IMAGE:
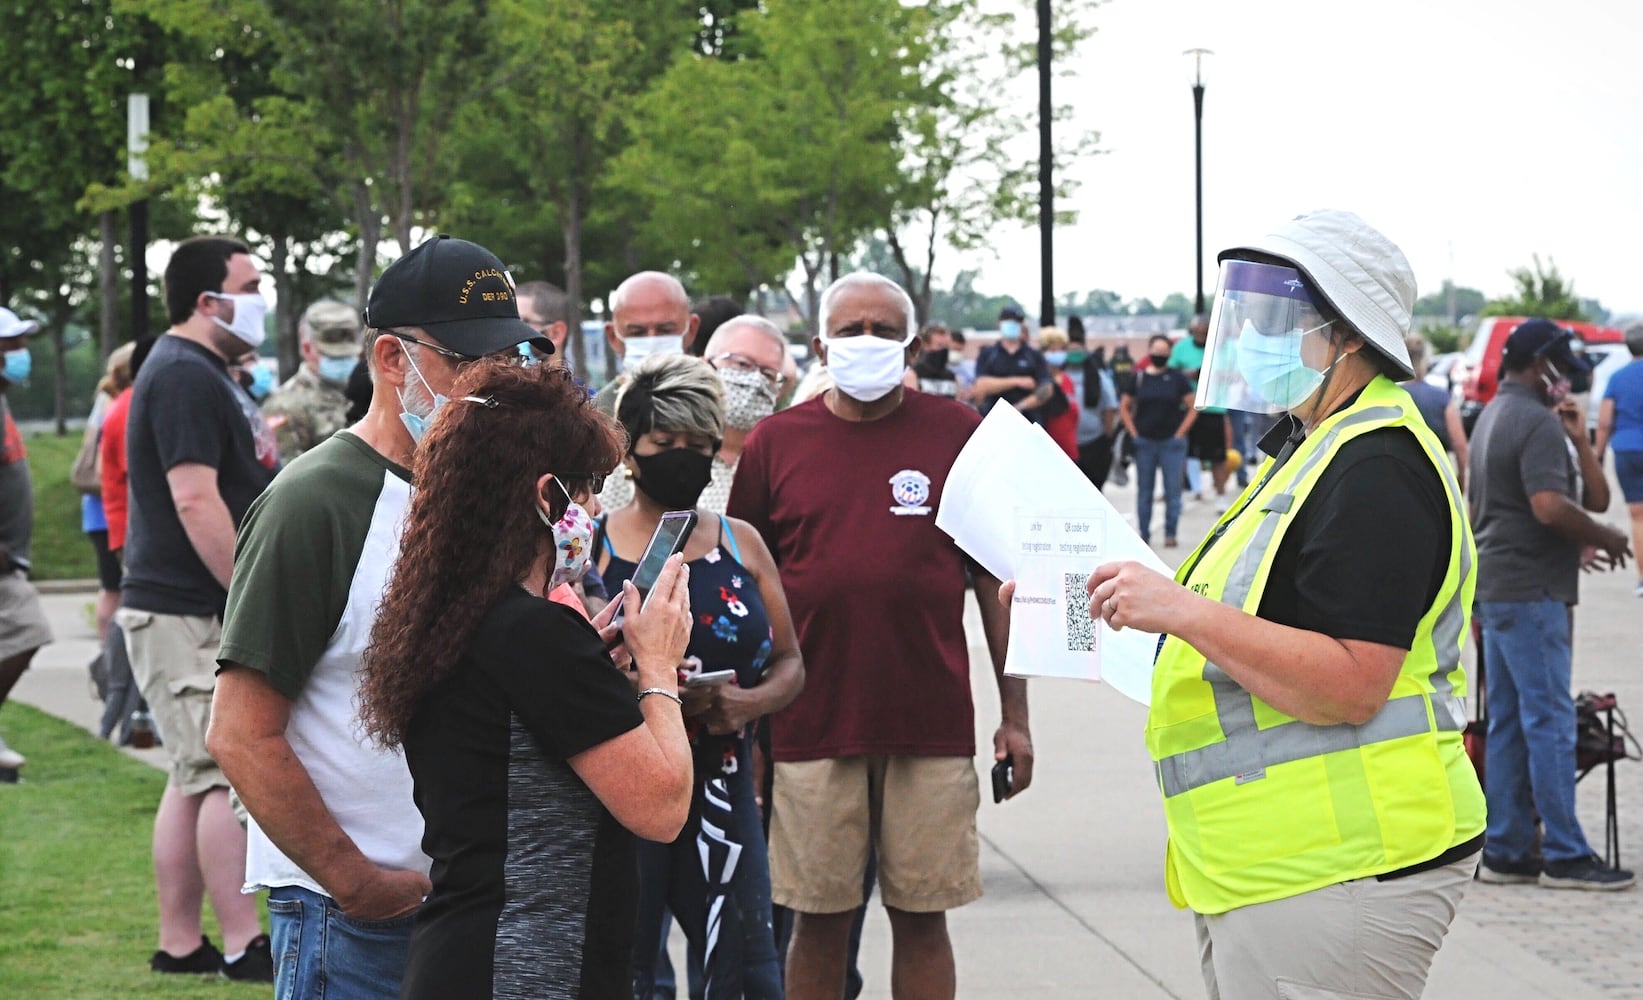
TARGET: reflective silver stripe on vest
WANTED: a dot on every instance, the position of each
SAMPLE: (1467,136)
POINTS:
(1447,628)
(1247,748)
(1247,752)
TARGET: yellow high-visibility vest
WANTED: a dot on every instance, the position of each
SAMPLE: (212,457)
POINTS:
(1262,806)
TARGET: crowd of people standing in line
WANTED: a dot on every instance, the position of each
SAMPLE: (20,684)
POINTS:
(467,757)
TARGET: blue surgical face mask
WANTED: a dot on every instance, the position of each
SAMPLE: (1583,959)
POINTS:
(18,366)
(417,423)
(1009,329)
(1272,366)
(262,382)
(1057,358)
(337,370)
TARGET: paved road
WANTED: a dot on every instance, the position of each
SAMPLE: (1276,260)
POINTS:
(1075,905)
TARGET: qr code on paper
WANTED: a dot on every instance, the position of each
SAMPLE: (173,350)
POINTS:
(1075,601)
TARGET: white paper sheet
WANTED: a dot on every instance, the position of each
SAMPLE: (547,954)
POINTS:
(1011,474)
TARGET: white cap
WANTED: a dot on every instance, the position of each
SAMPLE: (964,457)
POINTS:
(11,326)
(1361,273)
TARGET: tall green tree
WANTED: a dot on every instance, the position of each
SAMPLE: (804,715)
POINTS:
(535,159)
(970,162)
(789,151)
(1540,290)
(65,72)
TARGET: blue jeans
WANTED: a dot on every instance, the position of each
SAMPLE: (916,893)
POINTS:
(670,878)
(322,954)
(1530,762)
(1152,456)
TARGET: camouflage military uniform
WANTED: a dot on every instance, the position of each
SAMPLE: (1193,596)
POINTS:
(304,411)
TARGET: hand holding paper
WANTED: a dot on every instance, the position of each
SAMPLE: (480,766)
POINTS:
(1009,478)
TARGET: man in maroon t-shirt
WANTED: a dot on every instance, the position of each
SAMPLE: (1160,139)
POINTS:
(878,750)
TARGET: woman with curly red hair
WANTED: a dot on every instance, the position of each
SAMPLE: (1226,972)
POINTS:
(527,747)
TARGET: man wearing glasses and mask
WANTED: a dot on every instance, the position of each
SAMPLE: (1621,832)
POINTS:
(335,836)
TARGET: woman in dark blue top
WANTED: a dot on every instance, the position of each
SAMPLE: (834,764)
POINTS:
(715,877)
(1157,411)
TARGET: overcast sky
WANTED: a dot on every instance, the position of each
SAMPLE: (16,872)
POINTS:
(1474,133)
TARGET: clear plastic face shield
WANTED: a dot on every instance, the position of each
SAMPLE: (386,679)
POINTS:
(1268,347)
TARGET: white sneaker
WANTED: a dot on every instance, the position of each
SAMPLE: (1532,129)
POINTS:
(1221,505)
(1639,591)
(10,760)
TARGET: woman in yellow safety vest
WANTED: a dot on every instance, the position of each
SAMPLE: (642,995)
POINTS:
(1307,698)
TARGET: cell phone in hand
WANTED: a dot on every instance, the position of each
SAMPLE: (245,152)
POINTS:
(1003,779)
(709,678)
(669,538)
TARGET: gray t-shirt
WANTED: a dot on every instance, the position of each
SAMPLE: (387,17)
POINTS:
(16,493)
(1519,449)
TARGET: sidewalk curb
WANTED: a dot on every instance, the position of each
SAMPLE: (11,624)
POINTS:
(89,586)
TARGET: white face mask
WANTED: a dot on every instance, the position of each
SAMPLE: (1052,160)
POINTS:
(637,349)
(250,309)
(864,367)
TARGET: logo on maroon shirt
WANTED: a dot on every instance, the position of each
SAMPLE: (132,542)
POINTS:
(910,489)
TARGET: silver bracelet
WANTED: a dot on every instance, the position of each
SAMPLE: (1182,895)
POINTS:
(664,692)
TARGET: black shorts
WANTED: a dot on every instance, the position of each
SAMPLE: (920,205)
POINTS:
(109,574)
(1207,440)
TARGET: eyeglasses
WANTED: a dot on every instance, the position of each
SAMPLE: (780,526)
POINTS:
(443,352)
(595,480)
(743,363)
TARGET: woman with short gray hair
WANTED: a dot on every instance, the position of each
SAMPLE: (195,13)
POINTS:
(714,876)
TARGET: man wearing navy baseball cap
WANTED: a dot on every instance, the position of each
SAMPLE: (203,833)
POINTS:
(335,836)
(1534,478)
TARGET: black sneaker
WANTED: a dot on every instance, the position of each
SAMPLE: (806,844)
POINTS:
(256,965)
(1588,873)
(204,959)
(1502,872)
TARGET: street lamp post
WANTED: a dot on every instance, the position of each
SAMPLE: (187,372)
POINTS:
(1198,155)
(1046,188)
(137,167)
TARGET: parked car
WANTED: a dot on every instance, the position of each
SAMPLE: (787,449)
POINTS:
(1440,371)
(1606,359)
(1483,358)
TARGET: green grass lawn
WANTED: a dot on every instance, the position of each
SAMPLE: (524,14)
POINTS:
(61,550)
(77,914)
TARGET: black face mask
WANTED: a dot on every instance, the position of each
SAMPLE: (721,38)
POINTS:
(674,478)
(1159,360)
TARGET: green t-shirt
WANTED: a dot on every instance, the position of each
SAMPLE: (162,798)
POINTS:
(310,568)
(1189,357)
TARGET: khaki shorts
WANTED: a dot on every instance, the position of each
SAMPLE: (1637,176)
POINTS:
(918,812)
(174,658)
(23,625)
(1358,940)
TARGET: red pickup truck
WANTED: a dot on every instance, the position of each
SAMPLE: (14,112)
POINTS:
(1483,358)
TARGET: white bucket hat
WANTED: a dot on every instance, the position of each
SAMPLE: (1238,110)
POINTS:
(1361,273)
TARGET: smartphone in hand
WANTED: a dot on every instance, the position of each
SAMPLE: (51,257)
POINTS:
(1003,779)
(671,534)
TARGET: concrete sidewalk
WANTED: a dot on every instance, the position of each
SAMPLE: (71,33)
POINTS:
(1075,904)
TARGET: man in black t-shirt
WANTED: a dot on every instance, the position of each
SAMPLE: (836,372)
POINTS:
(198,452)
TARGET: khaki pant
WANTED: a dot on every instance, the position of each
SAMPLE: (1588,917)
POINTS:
(918,812)
(174,659)
(1359,940)
(23,624)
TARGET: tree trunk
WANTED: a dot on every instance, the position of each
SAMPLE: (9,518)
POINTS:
(108,285)
(571,225)
(370,233)
(285,340)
